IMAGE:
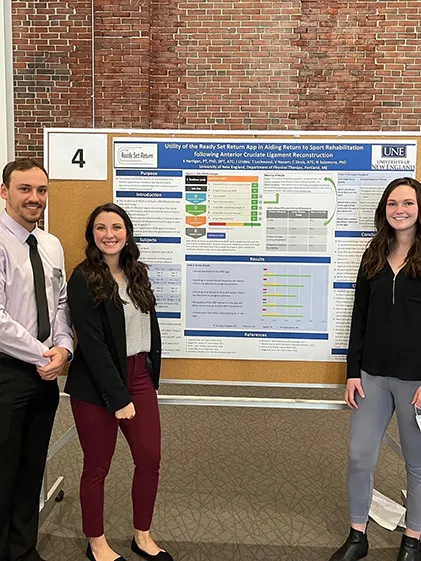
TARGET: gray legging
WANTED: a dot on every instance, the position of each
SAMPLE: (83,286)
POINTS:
(369,423)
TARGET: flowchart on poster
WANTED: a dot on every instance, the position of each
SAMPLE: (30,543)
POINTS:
(254,246)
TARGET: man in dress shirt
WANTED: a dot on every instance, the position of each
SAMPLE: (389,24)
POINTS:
(29,362)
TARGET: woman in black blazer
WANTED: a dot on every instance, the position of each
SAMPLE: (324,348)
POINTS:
(114,376)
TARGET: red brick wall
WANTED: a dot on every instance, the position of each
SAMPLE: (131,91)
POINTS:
(286,65)
(360,65)
(237,64)
(122,63)
(52,43)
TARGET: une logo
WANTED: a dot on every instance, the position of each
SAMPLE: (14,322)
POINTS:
(393,151)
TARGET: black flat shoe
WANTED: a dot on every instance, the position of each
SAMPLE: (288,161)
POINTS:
(410,549)
(91,557)
(161,556)
(355,547)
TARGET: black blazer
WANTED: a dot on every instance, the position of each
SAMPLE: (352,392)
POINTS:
(98,371)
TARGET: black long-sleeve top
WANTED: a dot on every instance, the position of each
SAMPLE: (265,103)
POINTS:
(385,337)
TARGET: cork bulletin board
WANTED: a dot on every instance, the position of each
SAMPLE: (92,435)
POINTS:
(72,200)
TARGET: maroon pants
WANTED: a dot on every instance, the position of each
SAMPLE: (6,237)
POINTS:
(97,429)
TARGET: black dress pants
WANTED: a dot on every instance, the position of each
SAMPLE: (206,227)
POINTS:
(27,409)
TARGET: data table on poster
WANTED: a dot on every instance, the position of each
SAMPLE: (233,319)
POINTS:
(296,230)
(166,284)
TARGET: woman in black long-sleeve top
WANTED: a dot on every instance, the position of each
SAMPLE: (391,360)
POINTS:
(384,363)
(114,375)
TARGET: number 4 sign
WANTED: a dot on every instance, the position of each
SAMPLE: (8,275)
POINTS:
(77,156)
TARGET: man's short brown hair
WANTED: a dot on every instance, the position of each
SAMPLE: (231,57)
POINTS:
(20,164)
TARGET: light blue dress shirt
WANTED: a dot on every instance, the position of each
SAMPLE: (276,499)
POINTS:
(18,309)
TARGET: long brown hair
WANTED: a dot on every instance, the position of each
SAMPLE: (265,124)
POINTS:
(375,257)
(98,275)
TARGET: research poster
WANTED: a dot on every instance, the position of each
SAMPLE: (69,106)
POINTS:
(254,245)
